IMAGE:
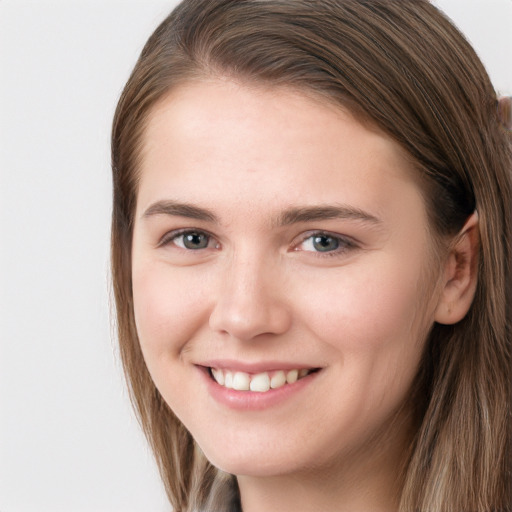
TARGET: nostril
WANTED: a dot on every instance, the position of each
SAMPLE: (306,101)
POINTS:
(249,317)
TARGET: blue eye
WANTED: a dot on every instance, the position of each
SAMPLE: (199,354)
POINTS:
(324,243)
(189,240)
(193,240)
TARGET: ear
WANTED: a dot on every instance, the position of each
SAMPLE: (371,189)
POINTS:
(460,274)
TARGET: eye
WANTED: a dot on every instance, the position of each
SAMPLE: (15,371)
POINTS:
(189,240)
(192,240)
(325,243)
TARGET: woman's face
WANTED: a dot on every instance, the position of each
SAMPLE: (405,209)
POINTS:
(283,247)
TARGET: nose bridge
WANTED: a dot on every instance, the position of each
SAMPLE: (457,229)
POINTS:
(249,300)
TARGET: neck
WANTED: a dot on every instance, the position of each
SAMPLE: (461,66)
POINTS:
(311,493)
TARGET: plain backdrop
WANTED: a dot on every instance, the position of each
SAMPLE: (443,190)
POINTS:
(68,439)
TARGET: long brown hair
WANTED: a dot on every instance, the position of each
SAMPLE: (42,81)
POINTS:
(405,68)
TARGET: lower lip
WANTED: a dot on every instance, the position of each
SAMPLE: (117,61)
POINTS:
(252,400)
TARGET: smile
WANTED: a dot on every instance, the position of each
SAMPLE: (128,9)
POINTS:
(260,382)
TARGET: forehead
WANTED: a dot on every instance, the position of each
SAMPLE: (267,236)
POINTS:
(222,139)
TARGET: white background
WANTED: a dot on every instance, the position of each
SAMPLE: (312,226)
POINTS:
(68,438)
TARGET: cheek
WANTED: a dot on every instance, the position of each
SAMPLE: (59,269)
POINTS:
(375,318)
(372,308)
(375,328)
(167,310)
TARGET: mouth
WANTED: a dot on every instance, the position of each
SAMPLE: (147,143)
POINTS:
(258,382)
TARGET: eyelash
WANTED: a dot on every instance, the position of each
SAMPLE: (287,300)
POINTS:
(344,243)
(172,236)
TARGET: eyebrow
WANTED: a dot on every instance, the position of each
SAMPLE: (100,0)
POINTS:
(313,213)
(290,216)
(177,209)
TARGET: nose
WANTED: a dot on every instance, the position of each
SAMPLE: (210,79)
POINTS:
(250,300)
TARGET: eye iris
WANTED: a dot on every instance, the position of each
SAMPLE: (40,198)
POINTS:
(195,241)
(324,243)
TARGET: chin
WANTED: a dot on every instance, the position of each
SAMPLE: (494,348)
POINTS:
(254,462)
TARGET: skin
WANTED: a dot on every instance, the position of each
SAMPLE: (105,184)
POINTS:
(261,291)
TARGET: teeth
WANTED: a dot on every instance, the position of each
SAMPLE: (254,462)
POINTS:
(292,376)
(278,380)
(261,382)
(228,379)
(241,381)
(218,376)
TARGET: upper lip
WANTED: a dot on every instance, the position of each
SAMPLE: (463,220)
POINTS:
(254,367)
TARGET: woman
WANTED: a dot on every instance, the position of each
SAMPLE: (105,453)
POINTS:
(311,258)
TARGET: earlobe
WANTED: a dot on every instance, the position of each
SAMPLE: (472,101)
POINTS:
(460,274)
